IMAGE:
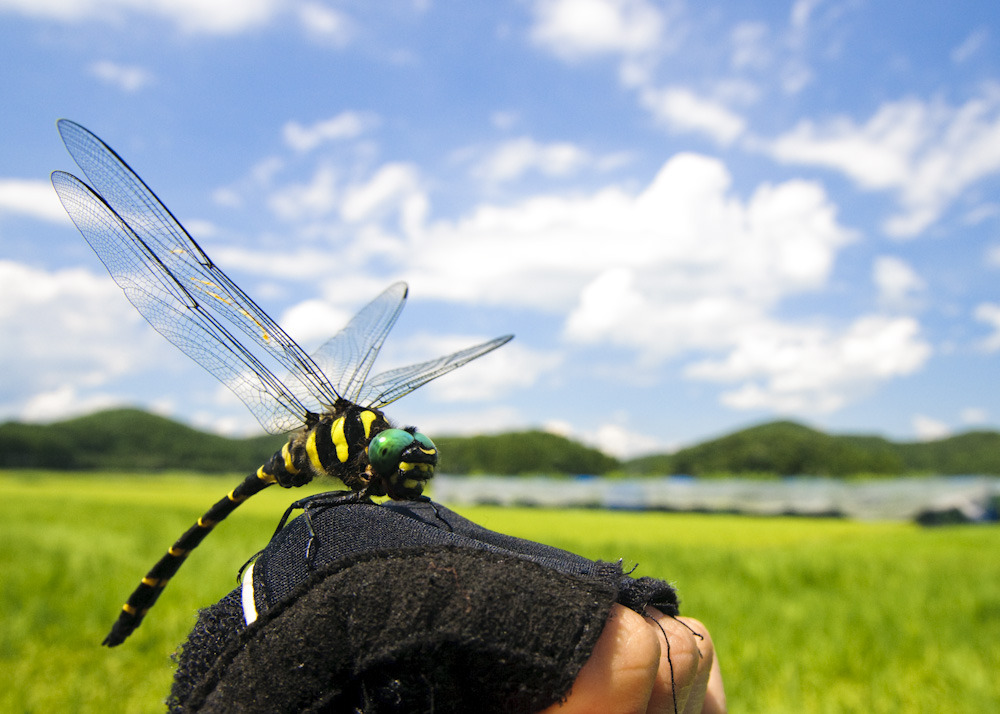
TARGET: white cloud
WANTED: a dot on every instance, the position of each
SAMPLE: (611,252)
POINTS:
(324,24)
(128,78)
(394,186)
(681,110)
(221,17)
(974,415)
(970,45)
(750,46)
(572,29)
(317,198)
(74,332)
(30,197)
(346,125)
(683,238)
(493,420)
(809,370)
(499,373)
(681,268)
(505,120)
(928,153)
(313,321)
(801,13)
(619,440)
(200,228)
(989,313)
(928,429)
(896,281)
(516,157)
(64,402)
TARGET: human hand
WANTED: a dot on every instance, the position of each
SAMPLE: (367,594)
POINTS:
(405,607)
(648,664)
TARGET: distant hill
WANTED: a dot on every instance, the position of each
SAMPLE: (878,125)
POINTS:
(529,452)
(786,448)
(780,448)
(129,439)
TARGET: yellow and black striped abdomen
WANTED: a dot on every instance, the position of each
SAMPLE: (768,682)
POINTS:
(284,467)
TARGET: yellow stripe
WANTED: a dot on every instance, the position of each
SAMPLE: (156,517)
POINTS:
(367,417)
(177,552)
(265,477)
(128,608)
(313,454)
(339,440)
(289,464)
(206,523)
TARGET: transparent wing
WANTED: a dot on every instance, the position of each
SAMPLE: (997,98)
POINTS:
(347,357)
(387,387)
(180,291)
(174,311)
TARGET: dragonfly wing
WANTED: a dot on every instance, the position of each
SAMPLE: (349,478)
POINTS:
(165,243)
(347,357)
(174,311)
(387,387)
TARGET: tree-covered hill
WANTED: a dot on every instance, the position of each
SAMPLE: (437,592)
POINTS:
(128,439)
(782,448)
(530,452)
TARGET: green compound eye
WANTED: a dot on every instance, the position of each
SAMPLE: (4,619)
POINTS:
(425,443)
(386,449)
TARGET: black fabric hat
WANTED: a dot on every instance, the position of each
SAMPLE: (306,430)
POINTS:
(402,607)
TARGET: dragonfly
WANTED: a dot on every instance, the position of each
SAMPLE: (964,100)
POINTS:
(327,400)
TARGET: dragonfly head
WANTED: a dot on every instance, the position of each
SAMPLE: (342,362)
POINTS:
(404,460)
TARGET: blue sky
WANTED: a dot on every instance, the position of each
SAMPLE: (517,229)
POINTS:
(693,216)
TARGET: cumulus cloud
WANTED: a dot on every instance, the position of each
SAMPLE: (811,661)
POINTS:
(74,333)
(974,415)
(346,125)
(512,367)
(970,45)
(896,281)
(63,402)
(806,370)
(989,313)
(316,198)
(31,197)
(927,153)
(930,429)
(515,157)
(683,268)
(573,29)
(619,440)
(128,78)
(324,24)
(392,185)
(222,17)
(750,46)
(681,110)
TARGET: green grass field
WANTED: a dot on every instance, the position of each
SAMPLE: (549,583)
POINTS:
(807,615)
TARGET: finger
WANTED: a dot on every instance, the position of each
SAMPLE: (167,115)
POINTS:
(620,674)
(675,690)
(715,693)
